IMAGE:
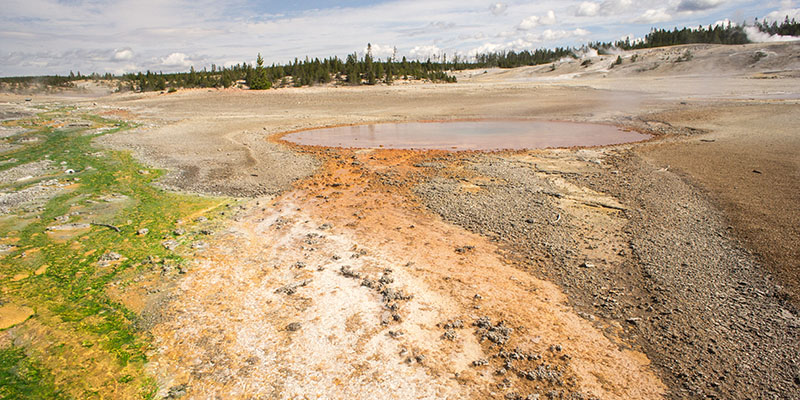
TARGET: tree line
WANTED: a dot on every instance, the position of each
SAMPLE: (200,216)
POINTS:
(368,70)
(786,28)
(353,70)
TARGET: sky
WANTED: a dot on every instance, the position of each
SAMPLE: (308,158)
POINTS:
(40,37)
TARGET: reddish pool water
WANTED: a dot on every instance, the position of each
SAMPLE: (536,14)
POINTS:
(467,135)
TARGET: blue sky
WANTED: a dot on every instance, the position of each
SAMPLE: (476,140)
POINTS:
(57,36)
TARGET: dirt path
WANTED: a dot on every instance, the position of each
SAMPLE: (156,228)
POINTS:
(343,289)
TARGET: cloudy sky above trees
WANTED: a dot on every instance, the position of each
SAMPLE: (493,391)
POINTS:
(57,36)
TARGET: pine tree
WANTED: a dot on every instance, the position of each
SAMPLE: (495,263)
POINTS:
(259,79)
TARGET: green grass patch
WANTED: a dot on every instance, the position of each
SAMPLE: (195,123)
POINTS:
(24,378)
(73,288)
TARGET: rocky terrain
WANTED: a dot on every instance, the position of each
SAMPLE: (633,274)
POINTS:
(660,269)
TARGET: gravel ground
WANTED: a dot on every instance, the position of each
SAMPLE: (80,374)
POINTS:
(681,287)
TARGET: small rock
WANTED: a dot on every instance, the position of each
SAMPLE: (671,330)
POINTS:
(480,363)
(178,232)
(347,271)
(110,256)
(176,392)
(170,244)
(143,231)
(586,264)
(293,327)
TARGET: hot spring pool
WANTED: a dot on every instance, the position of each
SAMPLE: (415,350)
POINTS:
(467,135)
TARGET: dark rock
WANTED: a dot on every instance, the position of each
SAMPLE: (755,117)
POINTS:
(176,392)
(293,327)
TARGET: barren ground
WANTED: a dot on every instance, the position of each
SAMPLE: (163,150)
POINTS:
(659,269)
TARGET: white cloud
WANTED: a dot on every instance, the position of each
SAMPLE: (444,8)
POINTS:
(381,51)
(176,60)
(498,8)
(653,16)
(529,23)
(723,23)
(608,7)
(123,55)
(424,52)
(530,40)
(533,21)
(552,35)
(56,36)
(588,9)
(780,15)
(549,18)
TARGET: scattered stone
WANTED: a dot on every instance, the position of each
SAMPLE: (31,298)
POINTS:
(464,249)
(347,271)
(586,264)
(293,327)
(369,283)
(291,288)
(498,334)
(543,373)
(178,232)
(176,392)
(110,256)
(457,324)
(386,279)
(170,244)
(480,363)
(449,334)
(143,231)
(201,219)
